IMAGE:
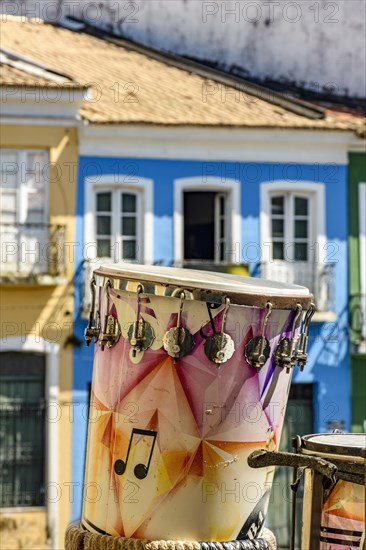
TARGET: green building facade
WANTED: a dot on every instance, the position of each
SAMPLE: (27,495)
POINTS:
(357,286)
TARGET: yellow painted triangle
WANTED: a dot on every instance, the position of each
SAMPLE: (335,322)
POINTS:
(175,462)
(213,455)
(164,482)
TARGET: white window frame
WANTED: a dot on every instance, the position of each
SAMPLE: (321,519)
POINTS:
(316,192)
(116,214)
(21,210)
(230,187)
(218,218)
(34,343)
(105,183)
(288,223)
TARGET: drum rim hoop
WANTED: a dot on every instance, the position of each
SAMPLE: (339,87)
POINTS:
(332,448)
(170,290)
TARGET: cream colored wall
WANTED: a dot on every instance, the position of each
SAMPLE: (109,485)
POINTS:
(47,311)
(26,530)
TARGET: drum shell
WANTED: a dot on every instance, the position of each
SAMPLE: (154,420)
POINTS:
(333,518)
(200,423)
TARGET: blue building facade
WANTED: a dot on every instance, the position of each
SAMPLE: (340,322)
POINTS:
(262,190)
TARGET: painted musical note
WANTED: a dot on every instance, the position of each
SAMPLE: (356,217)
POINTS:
(140,470)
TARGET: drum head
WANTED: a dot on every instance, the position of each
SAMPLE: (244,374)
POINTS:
(168,280)
(343,444)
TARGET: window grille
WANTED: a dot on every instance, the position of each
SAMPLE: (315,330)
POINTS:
(22,429)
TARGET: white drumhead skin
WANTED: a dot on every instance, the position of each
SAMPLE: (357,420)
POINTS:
(206,280)
(344,446)
(357,440)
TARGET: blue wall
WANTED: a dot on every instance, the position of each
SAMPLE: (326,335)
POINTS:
(328,365)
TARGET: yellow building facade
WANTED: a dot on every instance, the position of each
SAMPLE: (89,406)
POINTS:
(39,156)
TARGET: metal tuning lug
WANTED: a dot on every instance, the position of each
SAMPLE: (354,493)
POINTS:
(140,333)
(284,354)
(301,356)
(219,347)
(111,329)
(178,341)
(93,329)
(257,349)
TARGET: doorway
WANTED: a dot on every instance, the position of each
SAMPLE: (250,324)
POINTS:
(299,420)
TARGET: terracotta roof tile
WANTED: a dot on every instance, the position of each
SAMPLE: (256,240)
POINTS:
(11,76)
(14,77)
(132,87)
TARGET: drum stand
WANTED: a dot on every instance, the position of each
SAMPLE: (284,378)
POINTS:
(80,539)
(328,472)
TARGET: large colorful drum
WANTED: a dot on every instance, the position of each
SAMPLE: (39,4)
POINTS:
(334,516)
(191,374)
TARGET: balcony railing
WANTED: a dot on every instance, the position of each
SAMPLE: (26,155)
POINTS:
(31,251)
(318,278)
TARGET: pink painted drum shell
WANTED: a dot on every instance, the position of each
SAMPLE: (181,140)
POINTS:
(176,404)
(334,519)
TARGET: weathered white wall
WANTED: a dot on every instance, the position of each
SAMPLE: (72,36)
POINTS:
(314,43)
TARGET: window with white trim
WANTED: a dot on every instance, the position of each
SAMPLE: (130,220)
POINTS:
(207,220)
(291,226)
(24,210)
(23,186)
(293,241)
(118,219)
(118,224)
(206,226)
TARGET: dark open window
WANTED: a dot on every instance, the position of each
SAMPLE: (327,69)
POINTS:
(22,429)
(205,225)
